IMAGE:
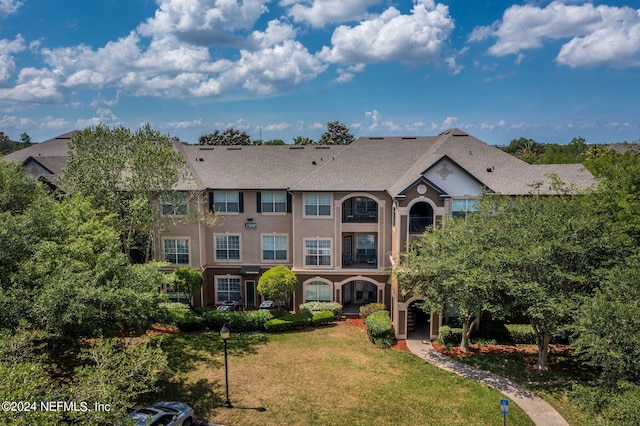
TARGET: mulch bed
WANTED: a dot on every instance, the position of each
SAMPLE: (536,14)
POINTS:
(400,345)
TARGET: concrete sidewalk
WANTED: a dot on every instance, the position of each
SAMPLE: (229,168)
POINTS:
(536,408)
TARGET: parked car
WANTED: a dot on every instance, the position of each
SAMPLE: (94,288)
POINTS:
(165,413)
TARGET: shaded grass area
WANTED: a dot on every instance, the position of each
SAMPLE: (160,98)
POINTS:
(553,386)
(324,376)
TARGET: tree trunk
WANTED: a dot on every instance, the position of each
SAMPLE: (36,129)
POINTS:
(542,340)
(467,328)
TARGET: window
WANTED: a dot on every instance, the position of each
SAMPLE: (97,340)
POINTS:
(273,202)
(174,204)
(274,247)
(317,204)
(460,208)
(176,251)
(317,252)
(229,288)
(227,247)
(366,248)
(227,202)
(317,291)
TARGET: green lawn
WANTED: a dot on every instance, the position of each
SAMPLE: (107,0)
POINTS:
(323,376)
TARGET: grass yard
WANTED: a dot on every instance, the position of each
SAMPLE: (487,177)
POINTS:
(324,376)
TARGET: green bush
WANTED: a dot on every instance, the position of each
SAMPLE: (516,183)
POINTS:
(182,316)
(379,328)
(288,322)
(236,321)
(322,317)
(521,333)
(449,336)
(313,307)
(366,310)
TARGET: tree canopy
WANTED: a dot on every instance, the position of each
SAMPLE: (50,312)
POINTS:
(229,136)
(336,134)
(278,284)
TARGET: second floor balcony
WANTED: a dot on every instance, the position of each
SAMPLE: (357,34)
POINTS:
(359,210)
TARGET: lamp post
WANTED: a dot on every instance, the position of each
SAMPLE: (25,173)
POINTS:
(224,335)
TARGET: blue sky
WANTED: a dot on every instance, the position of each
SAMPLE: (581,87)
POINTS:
(278,69)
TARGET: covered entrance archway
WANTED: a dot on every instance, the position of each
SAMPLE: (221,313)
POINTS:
(418,321)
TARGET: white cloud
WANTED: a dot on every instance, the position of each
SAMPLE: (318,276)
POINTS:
(391,36)
(318,13)
(598,34)
(203,22)
(7,48)
(8,7)
(277,127)
(447,123)
(184,124)
(346,75)
(378,123)
(34,85)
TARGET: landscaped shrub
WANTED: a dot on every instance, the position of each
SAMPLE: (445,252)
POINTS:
(521,333)
(236,321)
(493,330)
(182,316)
(288,322)
(449,336)
(379,328)
(366,310)
(322,317)
(313,307)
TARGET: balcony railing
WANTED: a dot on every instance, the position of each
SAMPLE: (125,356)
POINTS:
(419,224)
(364,258)
(350,215)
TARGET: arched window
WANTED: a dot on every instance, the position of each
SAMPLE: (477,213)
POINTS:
(317,291)
(420,218)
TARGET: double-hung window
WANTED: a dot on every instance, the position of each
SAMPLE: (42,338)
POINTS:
(174,204)
(317,204)
(274,247)
(460,208)
(229,288)
(317,252)
(227,247)
(227,202)
(176,251)
(273,202)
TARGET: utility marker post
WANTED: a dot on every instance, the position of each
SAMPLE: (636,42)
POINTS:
(504,409)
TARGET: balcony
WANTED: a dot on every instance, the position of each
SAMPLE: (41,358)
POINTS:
(354,215)
(419,224)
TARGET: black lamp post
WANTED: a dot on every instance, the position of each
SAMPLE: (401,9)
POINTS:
(224,335)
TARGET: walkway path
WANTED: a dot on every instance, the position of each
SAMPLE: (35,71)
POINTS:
(536,408)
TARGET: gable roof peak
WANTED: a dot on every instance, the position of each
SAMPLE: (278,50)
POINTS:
(454,132)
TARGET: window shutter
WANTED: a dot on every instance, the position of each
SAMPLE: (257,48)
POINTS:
(211,208)
(289,202)
(241,202)
(259,202)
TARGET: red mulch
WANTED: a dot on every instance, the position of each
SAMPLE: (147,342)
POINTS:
(162,329)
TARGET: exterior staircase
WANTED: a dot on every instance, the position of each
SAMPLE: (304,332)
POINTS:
(410,321)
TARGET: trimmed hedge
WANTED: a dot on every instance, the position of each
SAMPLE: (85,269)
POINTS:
(288,322)
(236,321)
(313,307)
(379,328)
(322,317)
(366,310)
(182,316)
(521,333)
(449,336)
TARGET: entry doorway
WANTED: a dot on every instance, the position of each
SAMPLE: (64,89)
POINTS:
(418,321)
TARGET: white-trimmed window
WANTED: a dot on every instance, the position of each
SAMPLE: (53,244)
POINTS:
(317,252)
(317,204)
(317,291)
(228,288)
(273,202)
(227,202)
(274,247)
(176,251)
(227,247)
(174,204)
(460,208)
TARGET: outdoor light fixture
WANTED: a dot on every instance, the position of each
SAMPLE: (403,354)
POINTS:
(224,335)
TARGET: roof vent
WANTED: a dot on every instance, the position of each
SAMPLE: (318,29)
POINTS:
(206,148)
(490,169)
(233,148)
(375,138)
(323,147)
(199,159)
(408,137)
(296,147)
(314,162)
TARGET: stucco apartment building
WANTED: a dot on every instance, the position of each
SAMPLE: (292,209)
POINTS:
(338,216)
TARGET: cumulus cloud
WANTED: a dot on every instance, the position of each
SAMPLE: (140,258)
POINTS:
(7,49)
(318,13)
(376,122)
(277,127)
(392,36)
(598,35)
(184,124)
(8,7)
